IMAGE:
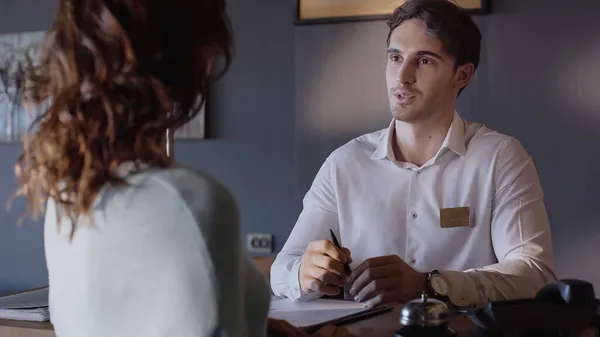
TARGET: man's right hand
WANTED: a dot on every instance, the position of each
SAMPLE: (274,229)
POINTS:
(322,268)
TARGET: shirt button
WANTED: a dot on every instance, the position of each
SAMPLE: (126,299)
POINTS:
(414,215)
(418,173)
(413,261)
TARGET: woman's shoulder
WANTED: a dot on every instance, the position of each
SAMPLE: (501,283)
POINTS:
(157,197)
(193,186)
(206,198)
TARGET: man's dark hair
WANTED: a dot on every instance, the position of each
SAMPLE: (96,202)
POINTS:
(446,22)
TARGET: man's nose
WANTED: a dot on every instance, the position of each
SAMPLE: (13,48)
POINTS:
(406,73)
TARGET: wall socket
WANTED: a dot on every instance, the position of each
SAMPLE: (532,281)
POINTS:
(260,243)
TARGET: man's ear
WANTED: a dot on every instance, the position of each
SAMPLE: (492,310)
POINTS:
(463,75)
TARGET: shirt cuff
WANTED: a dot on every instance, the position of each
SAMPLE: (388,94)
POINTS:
(463,290)
(296,292)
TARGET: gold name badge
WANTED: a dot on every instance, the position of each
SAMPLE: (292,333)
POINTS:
(454,217)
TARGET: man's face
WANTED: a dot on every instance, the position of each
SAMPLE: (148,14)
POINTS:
(420,74)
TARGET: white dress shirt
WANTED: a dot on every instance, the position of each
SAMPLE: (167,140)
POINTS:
(380,206)
(163,257)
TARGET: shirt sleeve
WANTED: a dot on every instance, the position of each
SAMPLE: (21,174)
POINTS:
(319,214)
(520,234)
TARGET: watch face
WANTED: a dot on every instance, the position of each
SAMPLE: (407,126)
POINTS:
(439,285)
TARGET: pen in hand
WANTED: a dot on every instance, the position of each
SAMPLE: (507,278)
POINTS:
(337,244)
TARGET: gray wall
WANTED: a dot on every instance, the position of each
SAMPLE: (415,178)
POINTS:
(22,263)
(295,93)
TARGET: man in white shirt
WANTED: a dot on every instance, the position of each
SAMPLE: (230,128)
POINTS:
(433,203)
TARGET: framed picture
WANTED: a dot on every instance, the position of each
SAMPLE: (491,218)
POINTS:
(332,11)
(194,129)
(18,52)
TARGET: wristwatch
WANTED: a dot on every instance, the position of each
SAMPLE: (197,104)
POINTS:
(438,286)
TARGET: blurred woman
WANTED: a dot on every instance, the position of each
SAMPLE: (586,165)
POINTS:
(136,245)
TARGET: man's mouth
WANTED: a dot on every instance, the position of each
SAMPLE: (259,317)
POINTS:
(404,97)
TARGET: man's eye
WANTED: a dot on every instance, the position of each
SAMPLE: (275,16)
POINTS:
(425,61)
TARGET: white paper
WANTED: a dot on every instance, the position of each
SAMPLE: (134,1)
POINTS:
(36,315)
(285,304)
(302,314)
(25,300)
(311,317)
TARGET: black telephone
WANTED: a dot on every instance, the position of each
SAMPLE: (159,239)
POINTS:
(563,308)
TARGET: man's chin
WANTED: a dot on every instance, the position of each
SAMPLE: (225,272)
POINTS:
(405,115)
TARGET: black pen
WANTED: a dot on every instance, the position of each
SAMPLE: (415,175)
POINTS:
(337,244)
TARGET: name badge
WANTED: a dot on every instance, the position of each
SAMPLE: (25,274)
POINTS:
(454,217)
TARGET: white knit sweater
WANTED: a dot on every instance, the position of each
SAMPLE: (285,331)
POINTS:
(163,257)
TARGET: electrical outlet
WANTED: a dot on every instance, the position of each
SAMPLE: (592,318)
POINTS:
(260,243)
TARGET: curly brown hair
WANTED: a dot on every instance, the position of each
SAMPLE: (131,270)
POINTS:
(116,75)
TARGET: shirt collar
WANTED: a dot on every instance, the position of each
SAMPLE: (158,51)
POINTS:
(455,140)
(384,149)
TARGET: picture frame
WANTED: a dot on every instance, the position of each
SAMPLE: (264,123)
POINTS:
(18,53)
(338,11)
(195,128)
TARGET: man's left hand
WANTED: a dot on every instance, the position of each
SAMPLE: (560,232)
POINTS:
(385,279)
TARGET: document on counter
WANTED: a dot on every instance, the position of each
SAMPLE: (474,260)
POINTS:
(29,305)
(310,315)
(284,304)
(29,299)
